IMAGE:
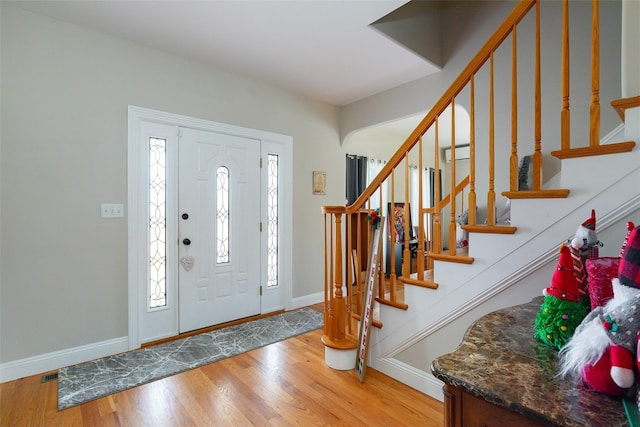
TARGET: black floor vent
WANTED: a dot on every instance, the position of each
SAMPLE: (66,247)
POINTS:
(49,377)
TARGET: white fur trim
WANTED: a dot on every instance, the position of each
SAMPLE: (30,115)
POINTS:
(584,348)
(577,243)
(623,377)
(621,294)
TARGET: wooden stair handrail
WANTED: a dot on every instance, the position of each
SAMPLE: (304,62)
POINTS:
(433,221)
(456,87)
(458,188)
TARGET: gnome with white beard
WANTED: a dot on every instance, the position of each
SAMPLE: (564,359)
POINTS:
(603,349)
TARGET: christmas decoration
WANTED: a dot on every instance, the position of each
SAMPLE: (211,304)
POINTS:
(600,272)
(603,348)
(374,218)
(584,245)
(562,310)
(586,238)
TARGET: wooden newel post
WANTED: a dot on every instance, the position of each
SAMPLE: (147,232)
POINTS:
(339,349)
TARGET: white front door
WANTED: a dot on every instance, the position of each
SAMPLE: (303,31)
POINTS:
(218,228)
(171,175)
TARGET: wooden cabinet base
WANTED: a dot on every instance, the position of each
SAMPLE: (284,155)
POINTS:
(464,409)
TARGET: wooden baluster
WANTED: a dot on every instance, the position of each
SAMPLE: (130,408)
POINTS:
(472,158)
(328,275)
(513,159)
(348,256)
(429,236)
(355,299)
(383,237)
(565,114)
(392,247)
(452,181)
(420,251)
(437,227)
(406,252)
(537,152)
(338,300)
(491,195)
(594,137)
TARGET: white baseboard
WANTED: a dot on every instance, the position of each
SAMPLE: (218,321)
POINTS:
(306,300)
(35,365)
(411,376)
(58,359)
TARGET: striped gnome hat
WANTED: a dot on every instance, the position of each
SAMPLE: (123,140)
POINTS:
(629,269)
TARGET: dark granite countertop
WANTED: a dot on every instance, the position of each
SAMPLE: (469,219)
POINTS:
(500,361)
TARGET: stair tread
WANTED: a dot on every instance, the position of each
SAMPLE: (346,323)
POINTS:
(426,282)
(494,229)
(459,257)
(598,150)
(560,193)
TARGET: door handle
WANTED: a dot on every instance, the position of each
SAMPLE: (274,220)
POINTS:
(186,242)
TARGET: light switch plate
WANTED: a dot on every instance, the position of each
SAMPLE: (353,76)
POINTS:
(112,210)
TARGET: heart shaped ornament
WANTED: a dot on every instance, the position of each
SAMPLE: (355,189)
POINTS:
(187,262)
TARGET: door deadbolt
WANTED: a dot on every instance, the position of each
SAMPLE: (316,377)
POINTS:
(186,242)
(185,216)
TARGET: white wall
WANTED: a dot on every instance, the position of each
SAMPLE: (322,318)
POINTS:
(468,25)
(65,92)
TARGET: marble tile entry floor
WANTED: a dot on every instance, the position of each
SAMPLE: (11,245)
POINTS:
(98,378)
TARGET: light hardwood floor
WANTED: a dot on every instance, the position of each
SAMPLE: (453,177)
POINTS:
(286,383)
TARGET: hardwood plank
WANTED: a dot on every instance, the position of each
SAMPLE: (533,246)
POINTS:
(286,383)
(239,395)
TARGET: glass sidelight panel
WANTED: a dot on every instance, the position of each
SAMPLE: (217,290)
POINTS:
(272,220)
(222,215)
(157,223)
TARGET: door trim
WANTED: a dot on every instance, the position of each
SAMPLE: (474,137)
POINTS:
(138,200)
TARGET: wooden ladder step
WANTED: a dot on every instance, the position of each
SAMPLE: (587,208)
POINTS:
(375,322)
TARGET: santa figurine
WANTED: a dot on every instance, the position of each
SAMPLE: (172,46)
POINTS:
(603,349)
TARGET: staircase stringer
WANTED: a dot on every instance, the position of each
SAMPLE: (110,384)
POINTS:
(423,380)
(395,337)
(622,192)
(550,255)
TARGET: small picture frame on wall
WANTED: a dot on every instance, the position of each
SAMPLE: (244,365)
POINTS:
(319,182)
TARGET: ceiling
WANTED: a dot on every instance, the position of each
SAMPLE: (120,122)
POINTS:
(327,50)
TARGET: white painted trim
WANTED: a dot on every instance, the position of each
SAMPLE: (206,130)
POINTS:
(616,135)
(411,376)
(35,365)
(307,300)
(58,359)
(137,195)
(340,359)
